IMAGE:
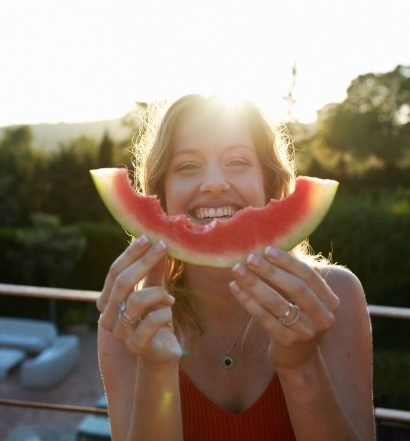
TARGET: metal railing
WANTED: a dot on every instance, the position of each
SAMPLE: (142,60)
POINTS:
(381,414)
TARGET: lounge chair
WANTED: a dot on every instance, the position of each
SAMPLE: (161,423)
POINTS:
(51,365)
(28,335)
(9,358)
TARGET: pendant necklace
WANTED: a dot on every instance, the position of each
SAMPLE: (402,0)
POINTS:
(228,360)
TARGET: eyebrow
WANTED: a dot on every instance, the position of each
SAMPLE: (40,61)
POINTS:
(186,150)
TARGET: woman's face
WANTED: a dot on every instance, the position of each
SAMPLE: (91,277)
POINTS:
(214,170)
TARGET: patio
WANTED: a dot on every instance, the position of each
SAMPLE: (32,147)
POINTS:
(83,386)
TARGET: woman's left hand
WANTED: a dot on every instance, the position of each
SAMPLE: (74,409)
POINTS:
(268,287)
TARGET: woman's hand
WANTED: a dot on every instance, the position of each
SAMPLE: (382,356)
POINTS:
(141,319)
(267,286)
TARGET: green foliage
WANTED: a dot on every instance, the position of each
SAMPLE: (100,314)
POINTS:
(368,233)
(106,152)
(20,186)
(391,379)
(58,183)
(371,127)
(71,194)
(105,242)
(49,254)
(45,254)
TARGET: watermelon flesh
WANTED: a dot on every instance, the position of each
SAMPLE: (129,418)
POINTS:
(223,242)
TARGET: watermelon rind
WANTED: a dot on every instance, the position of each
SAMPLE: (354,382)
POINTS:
(250,230)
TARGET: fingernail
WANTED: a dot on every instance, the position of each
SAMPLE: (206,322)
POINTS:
(234,287)
(253,260)
(239,270)
(160,247)
(141,241)
(271,252)
(171,298)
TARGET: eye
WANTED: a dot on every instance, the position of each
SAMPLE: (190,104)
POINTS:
(237,162)
(187,166)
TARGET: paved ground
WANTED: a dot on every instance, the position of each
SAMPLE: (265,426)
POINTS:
(82,387)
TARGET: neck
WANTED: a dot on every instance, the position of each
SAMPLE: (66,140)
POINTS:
(223,318)
(212,298)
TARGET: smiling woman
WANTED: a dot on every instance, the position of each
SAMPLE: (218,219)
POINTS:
(169,331)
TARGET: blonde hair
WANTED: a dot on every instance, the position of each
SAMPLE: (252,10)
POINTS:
(153,154)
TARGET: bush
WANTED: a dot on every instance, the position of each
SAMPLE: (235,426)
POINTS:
(368,233)
(48,254)
(391,379)
(45,254)
(105,242)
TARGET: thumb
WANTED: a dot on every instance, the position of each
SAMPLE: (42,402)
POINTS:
(156,277)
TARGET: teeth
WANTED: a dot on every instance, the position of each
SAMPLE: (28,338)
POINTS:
(203,213)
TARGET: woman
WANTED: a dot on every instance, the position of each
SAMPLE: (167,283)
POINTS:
(275,348)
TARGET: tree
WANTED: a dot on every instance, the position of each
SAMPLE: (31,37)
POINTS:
(106,151)
(71,193)
(21,192)
(371,124)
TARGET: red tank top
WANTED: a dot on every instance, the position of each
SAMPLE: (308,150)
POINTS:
(266,420)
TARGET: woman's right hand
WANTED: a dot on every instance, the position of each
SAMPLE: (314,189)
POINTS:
(145,325)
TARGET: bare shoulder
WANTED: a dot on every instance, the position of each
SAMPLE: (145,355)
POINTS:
(342,279)
(352,328)
(347,286)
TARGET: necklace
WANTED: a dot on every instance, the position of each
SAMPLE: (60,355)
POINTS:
(228,360)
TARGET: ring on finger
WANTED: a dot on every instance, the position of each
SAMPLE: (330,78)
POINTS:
(123,316)
(291,316)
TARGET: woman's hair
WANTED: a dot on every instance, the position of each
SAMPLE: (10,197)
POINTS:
(153,154)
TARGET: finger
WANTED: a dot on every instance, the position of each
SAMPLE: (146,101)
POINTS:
(123,327)
(301,330)
(283,260)
(133,252)
(267,296)
(138,304)
(140,340)
(290,287)
(156,276)
(274,303)
(125,282)
(148,299)
(285,335)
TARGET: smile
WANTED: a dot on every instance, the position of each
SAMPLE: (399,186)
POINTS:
(203,213)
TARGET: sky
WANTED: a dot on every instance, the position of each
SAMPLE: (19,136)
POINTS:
(86,60)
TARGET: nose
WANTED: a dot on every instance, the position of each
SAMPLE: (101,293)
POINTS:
(214,182)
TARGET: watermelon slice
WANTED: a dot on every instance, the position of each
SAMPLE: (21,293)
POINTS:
(223,242)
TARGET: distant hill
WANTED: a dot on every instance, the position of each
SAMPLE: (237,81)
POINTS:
(49,136)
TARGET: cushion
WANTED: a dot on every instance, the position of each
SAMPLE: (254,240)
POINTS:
(8,359)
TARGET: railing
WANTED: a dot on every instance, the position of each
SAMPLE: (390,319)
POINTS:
(381,414)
